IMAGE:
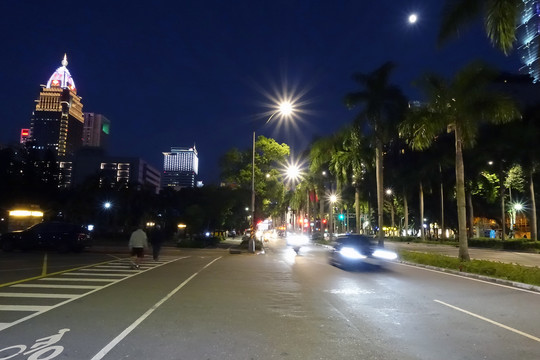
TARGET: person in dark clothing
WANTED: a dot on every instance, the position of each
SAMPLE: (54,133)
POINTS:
(156,239)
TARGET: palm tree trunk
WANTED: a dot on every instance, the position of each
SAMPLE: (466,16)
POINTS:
(443,236)
(471,214)
(503,210)
(422,232)
(380,188)
(460,194)
(534,229)
(406,213)
(357,209)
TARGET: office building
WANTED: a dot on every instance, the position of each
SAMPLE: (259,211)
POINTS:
(96,130)
(25,134)
(528,39)
(180,166)
(57,121)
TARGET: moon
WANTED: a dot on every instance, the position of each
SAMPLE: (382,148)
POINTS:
(413,18)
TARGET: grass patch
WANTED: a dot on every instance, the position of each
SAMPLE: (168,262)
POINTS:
(512,272)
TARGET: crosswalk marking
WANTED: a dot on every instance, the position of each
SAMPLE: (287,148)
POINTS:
(39,295)
(102,276)
(59,286)
(91,274)
(78,279)
(23,307)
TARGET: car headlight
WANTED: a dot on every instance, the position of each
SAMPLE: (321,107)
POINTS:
(351,253)
(385,254)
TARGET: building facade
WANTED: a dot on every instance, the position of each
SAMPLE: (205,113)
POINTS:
(180,167)
(528,39)
(96,130)
(57,121)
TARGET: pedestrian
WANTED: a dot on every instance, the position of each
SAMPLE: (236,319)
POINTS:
(156,239)
(138,242)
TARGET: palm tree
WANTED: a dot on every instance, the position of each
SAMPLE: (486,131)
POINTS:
(383,106)
(459,106)
(500,18)
(350,163)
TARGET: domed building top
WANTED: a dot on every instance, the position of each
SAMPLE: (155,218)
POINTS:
(62,78)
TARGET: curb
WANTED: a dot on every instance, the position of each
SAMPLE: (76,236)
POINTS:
(510,283)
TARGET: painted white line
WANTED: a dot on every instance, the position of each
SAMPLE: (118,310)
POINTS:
(78,279)
(469,278)
(23,307)
(532,337)
(130,328)
(4,325)
(39,295)
(92,274)
(89,287)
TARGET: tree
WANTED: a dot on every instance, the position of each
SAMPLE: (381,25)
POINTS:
(383,105)
(458,106)
(500,18)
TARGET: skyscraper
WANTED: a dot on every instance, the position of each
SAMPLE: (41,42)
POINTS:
(528,38)
(96,130)
(57,121)
(180,166)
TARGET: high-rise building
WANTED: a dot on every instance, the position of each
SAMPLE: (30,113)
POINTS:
(528,39)
(25,133)
(96,130)
(180,166)
(57,121)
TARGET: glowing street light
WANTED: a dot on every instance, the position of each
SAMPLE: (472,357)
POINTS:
(107,205)
(285,109)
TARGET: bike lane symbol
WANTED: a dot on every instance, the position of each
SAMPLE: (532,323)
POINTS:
(43,349)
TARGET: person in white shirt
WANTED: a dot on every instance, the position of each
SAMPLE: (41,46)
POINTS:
(138,242)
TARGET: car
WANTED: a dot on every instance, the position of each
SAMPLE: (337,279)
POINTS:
(57,235)
(355,250)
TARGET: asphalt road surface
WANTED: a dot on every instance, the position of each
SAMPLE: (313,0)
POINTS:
(210,304)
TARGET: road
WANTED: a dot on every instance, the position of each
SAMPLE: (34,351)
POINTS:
(210,304)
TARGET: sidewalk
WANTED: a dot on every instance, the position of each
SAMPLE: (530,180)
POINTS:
(504,256)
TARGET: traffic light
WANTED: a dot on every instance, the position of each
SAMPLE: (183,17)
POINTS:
(324,221)
(341,216)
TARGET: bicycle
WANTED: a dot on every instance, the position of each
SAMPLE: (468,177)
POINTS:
(43,346)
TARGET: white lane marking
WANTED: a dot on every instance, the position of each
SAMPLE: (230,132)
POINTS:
(23,307)
(4,325)
(39,295)
(469,278)
(131,327)
(490,321)
(92,274)
(94,289)
(78,279)
(59,286)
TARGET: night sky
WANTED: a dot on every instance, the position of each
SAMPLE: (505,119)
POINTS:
(178,73)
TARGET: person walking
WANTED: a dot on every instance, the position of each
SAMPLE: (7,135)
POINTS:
(138,242)
(156,239)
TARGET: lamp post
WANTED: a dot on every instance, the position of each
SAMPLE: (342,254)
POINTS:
(285,109)
(390,193)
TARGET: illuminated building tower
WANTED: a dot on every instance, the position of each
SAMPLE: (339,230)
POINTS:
(57,121)
(96,130)
(180,166)
(528,38)
(25,133)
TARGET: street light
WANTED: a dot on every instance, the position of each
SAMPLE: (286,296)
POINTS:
(285,109)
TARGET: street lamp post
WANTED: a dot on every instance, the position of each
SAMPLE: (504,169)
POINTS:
(333,199)
(285,109)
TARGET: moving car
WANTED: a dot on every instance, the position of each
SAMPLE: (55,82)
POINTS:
(57,235)
(354,250)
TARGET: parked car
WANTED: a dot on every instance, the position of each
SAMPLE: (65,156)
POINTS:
(57,235)
(354,250)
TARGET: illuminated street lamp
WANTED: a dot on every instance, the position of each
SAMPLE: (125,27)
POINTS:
(513,213)
(285,109)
